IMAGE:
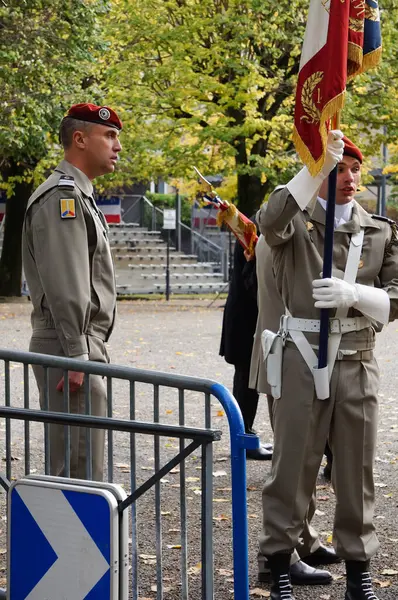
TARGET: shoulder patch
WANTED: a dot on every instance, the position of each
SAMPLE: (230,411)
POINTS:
(386,219)
(67,208)
(66,182)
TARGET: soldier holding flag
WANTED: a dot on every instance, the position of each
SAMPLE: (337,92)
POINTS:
(338,401)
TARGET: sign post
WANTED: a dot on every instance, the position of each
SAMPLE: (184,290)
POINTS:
(169,223)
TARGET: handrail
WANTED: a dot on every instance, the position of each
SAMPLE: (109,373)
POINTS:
(202,237)
(199,235)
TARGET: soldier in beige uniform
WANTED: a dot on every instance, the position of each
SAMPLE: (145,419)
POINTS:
(309,551)
(69,271)
(365,294)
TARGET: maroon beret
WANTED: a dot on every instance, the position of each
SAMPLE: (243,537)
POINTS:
(352,150)
(95,114)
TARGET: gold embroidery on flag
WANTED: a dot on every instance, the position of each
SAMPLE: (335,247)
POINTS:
(312,113)
(357,25)
(372,13)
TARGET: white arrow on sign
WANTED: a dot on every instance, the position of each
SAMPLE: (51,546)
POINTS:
(80,564)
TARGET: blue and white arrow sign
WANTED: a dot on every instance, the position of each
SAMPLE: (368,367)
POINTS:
(63,542)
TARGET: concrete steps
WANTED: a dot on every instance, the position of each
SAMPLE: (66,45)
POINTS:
(140,264)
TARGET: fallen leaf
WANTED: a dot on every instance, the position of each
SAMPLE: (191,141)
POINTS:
(226,572)
(220,413)
(195,570)
(174,546)
(259,592)
(383,584)
(389,572)
(219,473)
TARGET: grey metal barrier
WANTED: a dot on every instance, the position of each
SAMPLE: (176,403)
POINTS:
(147,404)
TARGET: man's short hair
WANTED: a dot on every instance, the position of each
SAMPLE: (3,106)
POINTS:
(67,129)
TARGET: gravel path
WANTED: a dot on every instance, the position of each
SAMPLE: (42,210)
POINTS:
(183,337)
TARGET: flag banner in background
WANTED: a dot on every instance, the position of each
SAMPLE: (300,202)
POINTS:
(342,40)
(111,207)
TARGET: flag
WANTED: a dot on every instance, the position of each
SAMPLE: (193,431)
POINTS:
(111,207)
(342,39)
(243,228)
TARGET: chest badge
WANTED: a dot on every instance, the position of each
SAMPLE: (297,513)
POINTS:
(67,207)
(309,226)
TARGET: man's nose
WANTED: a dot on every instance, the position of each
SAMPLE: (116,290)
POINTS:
(117,146)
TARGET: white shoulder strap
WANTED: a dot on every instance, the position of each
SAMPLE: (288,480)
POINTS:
(350,276)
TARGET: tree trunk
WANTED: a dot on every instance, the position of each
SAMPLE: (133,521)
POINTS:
(11,256)
(250,194)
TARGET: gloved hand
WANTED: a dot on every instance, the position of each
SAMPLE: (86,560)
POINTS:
(334,152)
(334,293)
(372,302)
(303,187)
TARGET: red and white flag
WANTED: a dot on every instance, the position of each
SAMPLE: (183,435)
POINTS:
(111,207)
(342,39)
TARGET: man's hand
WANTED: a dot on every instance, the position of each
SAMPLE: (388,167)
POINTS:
(334,293)
(75,382)
(334,152)
(248,256)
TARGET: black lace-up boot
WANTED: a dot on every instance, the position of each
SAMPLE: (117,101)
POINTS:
(359,581)
(281,588)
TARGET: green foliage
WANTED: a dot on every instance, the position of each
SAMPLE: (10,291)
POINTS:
(169,201)
(211,83)
(47,62)
(206,83)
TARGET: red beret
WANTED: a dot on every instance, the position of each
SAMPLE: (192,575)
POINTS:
(352,150)
(95,114)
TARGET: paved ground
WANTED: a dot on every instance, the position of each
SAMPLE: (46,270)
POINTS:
(183,337)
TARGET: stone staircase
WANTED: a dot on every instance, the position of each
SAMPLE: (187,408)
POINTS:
(140,265)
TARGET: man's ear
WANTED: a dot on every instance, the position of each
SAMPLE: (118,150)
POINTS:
(79,139)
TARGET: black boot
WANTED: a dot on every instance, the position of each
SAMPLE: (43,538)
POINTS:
(359,581)
(281,588)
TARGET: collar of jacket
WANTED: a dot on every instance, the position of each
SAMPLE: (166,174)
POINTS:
(359,218)
(81,180)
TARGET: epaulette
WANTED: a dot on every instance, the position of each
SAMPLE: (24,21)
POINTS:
(386,219)
(66,182)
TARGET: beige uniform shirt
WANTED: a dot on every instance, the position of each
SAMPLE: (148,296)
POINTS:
(67,261)
(297,239)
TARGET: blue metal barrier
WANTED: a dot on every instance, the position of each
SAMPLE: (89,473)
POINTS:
(239,441)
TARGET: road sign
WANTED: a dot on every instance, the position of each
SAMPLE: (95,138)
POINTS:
(63,541)
(169,218)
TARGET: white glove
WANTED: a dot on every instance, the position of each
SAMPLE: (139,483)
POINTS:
(334,293)
(303,187)
(372,302)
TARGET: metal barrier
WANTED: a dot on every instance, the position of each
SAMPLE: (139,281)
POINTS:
(125,383)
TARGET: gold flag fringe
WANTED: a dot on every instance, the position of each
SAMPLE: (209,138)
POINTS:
(329,110)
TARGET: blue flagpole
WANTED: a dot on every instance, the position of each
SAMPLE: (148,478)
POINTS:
(327,266)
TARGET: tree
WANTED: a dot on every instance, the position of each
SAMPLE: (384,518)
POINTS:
(211,83)
(207,83)
(47,52)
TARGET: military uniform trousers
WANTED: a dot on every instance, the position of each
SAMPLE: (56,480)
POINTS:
(302,424)
(47,342)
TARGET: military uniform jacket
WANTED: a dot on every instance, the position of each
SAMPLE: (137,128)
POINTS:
(297,241)
(67,261)
(270,310)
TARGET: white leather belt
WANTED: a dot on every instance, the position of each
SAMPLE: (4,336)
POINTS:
(336,324)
